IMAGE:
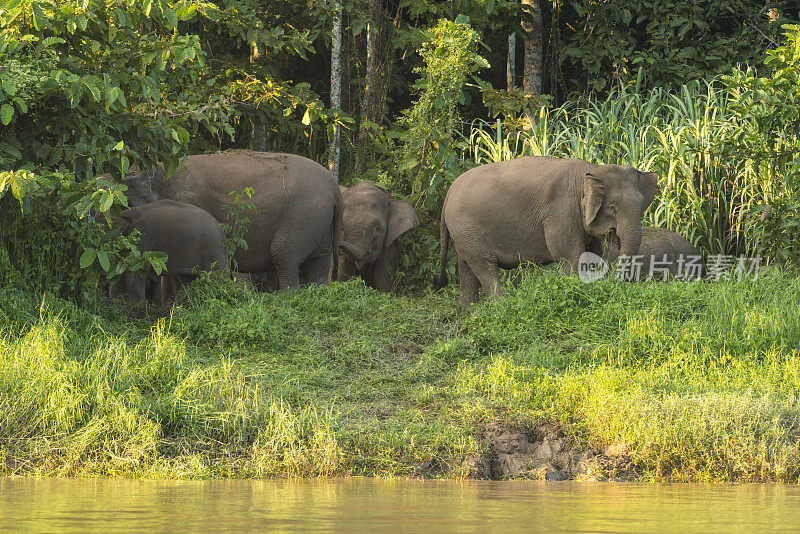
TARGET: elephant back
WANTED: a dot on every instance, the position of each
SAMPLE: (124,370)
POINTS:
(294,199)
(190,236)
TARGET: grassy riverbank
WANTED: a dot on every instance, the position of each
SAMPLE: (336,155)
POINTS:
(693,381)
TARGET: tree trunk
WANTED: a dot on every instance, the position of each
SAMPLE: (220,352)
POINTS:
(258,137)
(369,101)
(532,26)
(336,90)
(511,61)
(511,67)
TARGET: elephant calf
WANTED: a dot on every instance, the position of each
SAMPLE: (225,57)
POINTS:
(191,238)
(371,224)
(663,252)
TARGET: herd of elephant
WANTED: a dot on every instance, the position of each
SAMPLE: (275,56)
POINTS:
(307,229)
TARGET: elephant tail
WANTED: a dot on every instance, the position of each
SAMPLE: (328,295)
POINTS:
(444,237)
(338,214)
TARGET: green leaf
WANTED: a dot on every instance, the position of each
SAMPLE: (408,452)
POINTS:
(6,113)
(306,118)
(96,94)
(170,15)
(38,16)
(102,258)
(9,86)
(87,258)
(120,145)
(16,190)
(106,201)
(23,107)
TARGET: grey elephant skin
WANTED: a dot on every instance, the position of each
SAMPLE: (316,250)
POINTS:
(539,210)
(298,208)
(373,221)
(662,250)
(191,238)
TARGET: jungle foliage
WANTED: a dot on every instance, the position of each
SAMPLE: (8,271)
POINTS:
(90,87)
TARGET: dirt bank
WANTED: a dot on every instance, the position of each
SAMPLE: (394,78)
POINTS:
(544,452)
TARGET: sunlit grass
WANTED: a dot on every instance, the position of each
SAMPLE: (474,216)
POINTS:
(700,381)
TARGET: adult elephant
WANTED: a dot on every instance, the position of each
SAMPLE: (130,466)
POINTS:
(191,238)
(298,207)
(662,253)
(540,210)
(371,224)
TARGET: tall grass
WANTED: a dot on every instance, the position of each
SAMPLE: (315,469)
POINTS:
(708,195)
(104,405)
(698,381)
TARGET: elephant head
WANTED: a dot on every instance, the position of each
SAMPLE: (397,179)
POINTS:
(613,200)
(372,222)
(141,188)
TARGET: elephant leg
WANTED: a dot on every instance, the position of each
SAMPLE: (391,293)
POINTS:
(268,282)
(565,249)
(136,286)
(288,278)
(155,290)
(382,278)
(169,288)
(288,272)
(316,270)
(382,269)
(468,284)
(288,252)
(487,272)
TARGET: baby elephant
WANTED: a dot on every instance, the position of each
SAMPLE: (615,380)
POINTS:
(371,224)
(191,238)
(664,252)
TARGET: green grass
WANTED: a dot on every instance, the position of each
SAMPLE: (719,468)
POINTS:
(701,381)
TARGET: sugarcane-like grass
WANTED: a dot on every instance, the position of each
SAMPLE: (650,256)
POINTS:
(711,191)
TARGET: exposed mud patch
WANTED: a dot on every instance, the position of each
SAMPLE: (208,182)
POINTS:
(544,452)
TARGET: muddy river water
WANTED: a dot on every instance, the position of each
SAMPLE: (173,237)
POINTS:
(391,506)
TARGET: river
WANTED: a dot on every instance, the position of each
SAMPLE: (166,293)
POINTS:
(391,506)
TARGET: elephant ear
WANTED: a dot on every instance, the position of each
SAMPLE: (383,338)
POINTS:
(402,218)
(593,193)
(648,186)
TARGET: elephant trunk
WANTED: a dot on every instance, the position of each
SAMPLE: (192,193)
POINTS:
(630,238)
(356,254)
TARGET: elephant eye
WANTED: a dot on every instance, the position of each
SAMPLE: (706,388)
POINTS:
(612,208)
